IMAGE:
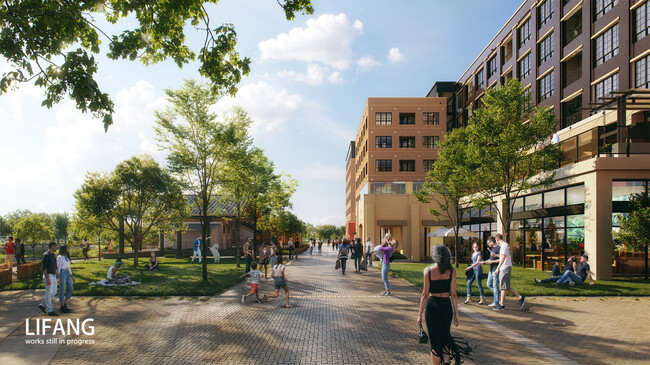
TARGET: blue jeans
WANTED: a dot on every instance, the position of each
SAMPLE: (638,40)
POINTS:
(357,261)
(384,274)
(493,284)
(249,260)
(470,280)
(50,291)
(273,258)
(65,292)
(369,259)
(343,262)
(568,277)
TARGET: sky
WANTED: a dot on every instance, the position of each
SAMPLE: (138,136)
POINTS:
(306,91)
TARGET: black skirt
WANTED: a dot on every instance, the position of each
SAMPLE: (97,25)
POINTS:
(438,316)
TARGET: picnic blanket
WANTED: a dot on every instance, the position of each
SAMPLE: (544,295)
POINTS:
(106,283)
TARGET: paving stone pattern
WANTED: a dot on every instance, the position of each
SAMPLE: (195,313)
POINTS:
(336,319)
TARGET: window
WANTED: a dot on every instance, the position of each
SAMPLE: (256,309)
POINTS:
(554,198)
(431,141)
(642,73)
(383,118)
(545,12)
(492,66)
(575,195)
(605,87)
(533,202)
(524,67)
(528,102)
(545,49)
(606,45)
(407,165)
(383,165)
(546,86)
(603,6)
(469,88)
(406,142)
(523,33)
(642,21)
(622,190)
(432,118)
(427,165)
(480,79)
(384,142)
(406,118)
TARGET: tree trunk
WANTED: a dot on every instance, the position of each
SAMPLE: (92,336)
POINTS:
(121,236)
(646,261)
(205,222)
(137,241)
(457,224)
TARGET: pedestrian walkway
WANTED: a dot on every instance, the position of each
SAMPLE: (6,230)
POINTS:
(335,320)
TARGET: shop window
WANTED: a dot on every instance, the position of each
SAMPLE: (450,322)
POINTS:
(554,198)
(533,202)
(575,195)
(621,190)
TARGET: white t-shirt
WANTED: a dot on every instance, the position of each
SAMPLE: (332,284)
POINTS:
(62,263)
(505,250)
(277,270)
(369,247)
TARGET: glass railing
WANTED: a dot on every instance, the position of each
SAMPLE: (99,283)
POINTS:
(387,188)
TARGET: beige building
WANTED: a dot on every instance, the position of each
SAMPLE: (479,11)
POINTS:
(395,146)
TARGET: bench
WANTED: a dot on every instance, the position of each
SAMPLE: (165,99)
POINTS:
(5,276)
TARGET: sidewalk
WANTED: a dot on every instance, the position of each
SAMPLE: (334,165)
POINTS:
(335,320)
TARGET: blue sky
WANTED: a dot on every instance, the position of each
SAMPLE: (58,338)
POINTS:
(309,82)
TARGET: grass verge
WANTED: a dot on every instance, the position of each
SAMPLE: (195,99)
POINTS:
(523,282)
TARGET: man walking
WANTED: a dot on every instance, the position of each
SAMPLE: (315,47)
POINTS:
(20,252)
(51,279)
(248,254)
(296,246)
(504,271)
(369,247)
(290,247)
(493,278)
(197,248)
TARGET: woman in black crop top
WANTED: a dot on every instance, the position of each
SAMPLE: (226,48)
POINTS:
(438,294)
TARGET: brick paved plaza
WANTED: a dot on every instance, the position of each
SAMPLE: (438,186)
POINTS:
(335,320)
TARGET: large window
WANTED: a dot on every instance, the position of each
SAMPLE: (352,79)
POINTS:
(384,118)
(545,49)
(406,118)
(606,45)
(545,12)
(427,165)
(431,118)
(383,142)
(575,195)
(492,66)
(603,6)
(406,142)
(642,21)
(523,33)
(605,87)
(642,72)
(407,165)
(523,68)
(621,190)
(480,79)
(431,141)
(383,165)
(546,86)
(554,198)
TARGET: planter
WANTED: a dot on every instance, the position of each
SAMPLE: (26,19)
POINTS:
(5,276)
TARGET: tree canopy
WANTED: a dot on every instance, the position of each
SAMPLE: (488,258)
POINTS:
(54,43)
(33,229)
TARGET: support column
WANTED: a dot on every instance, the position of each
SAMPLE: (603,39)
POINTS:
(415,229)
(598,224)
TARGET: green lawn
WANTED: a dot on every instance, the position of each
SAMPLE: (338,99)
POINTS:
(523,282)
(176,277)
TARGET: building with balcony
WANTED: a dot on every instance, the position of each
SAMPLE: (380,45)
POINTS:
(590,62)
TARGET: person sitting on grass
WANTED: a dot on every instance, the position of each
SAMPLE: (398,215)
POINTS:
(153,262)
(556,274)
(112,276)
(579,276)
(255,282)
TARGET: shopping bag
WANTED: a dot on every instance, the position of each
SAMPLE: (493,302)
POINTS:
(337,265)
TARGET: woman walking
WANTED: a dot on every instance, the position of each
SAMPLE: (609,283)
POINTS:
(474,272)
(66,278)
(386,250)
(438,295)
(85,245)
(344,250)
(265,255)
(279,282)
(273,254)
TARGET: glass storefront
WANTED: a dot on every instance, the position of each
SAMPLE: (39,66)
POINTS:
(626,260)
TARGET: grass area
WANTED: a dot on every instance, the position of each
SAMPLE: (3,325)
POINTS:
(176,277)
(523,281)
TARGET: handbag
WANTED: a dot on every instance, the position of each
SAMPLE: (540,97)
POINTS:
(337,265)
(423,336)
(364,265)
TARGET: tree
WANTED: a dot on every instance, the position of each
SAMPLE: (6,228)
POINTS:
(55,43)
(635,226)
(274,204)
(199,146)
(140,192)
(33,229)
(451,179)
(510,148)
(15,216)
(61,223)
(5,228)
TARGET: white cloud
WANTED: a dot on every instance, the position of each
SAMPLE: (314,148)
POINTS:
(315,75)
(366,63)
(335,78)
(327,39)
(395,55)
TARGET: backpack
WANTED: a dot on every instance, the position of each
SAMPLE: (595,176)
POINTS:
(344,250)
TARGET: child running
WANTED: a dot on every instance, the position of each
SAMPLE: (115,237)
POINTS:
(255,281)
(277,274)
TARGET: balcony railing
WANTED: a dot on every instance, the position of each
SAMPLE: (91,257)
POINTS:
(573,118)
(572,33)
(573,76)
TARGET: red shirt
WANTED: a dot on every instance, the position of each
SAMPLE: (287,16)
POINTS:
(9,248)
